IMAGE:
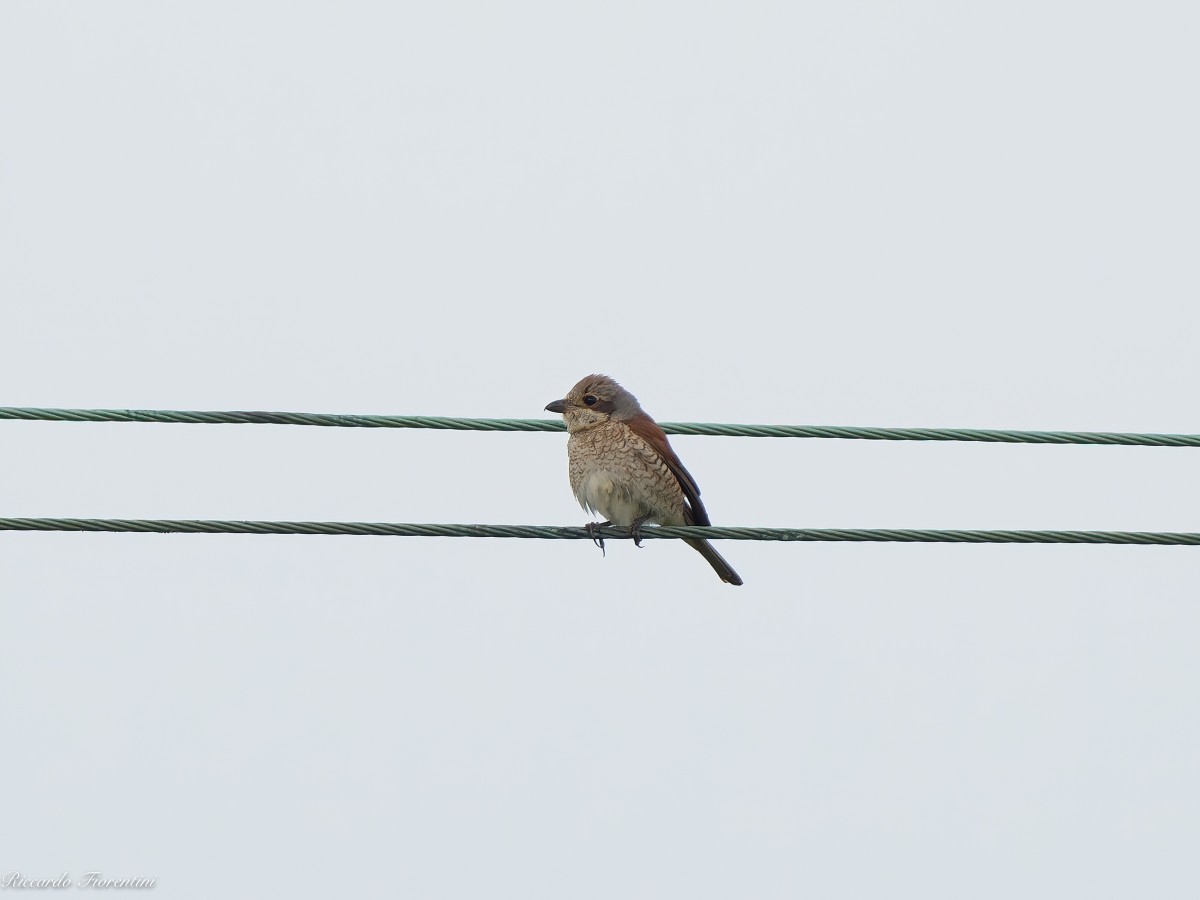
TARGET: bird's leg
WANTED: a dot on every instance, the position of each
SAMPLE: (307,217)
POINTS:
(593,530)
(635,529)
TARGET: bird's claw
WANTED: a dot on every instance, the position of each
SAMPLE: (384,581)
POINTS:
(635,531)
(593,530)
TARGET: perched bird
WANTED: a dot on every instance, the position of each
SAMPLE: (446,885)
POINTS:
(623,467)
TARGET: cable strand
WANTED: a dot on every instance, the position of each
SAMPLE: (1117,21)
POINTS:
(448,423)
(558,532)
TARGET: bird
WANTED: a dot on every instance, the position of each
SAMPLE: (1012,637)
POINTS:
(622,467)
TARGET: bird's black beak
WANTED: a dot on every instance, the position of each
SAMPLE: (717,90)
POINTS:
(557,406)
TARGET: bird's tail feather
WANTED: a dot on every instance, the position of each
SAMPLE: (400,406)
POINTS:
(716,560)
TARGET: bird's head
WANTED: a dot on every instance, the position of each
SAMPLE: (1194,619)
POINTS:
(594,400)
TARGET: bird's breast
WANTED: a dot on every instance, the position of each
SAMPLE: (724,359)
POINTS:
(614,474)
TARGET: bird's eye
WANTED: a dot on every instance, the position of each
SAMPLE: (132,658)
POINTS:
(589,400)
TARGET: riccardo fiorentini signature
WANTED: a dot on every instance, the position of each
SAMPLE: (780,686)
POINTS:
(86,880)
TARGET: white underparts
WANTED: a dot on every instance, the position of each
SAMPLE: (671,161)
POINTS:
(598,493)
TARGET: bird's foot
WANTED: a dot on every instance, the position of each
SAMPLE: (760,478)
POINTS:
(635,530)
(593,530)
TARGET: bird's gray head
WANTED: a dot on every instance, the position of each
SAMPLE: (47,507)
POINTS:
(594,400)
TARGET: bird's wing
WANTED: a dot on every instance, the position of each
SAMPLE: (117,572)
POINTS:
(647,429)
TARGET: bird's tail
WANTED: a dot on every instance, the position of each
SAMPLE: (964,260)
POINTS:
(716,560)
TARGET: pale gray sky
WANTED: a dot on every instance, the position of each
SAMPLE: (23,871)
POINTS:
(941,214)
